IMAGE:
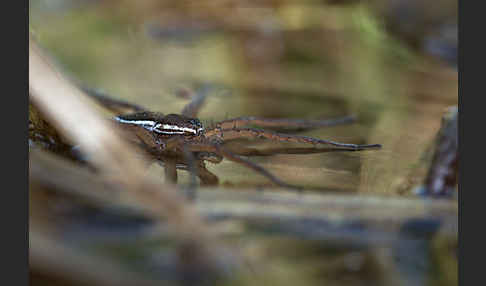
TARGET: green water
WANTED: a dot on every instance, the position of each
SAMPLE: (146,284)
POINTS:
(304,67)
(290,60)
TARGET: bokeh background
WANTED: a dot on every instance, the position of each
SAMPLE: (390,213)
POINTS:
(392,63)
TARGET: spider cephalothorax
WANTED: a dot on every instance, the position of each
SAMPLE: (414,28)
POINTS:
(164,125)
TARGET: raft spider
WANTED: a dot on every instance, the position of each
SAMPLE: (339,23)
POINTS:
(180,141)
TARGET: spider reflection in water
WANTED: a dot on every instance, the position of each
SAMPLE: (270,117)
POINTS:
(180,141)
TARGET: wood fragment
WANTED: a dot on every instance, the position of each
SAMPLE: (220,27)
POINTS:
(441,180)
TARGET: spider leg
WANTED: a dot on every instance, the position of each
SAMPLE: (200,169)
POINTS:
(193,171)
(192,108)
(170,170)
(235,133)
(116,105)
(259,169)
(194,166)
(207,178)
(209,147)
(245,151)
(285,123)
(173,143)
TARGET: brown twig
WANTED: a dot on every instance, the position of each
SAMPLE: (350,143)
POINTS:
(307,214)
(441,179)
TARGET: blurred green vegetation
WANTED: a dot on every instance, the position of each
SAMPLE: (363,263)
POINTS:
(282,59)
(276,59)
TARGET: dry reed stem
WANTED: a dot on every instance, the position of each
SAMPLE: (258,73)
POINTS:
(53,257)
(71,112)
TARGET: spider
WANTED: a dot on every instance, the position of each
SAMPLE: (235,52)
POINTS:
(180,141)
